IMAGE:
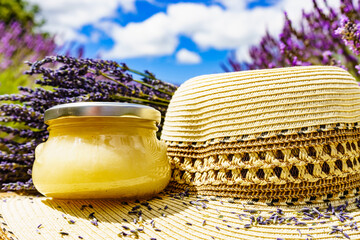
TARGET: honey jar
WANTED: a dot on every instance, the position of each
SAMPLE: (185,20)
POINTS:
(101,150)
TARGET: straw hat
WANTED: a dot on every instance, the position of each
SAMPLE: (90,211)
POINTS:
(264,154)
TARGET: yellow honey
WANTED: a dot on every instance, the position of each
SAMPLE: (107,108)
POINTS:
(101,156)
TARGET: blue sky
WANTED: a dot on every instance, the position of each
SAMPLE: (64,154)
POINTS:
(166,67)
(176,40)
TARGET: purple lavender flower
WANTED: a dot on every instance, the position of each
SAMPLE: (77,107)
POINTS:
(350,33)
(324,36)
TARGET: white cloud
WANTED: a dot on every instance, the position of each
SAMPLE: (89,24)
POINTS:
(232,27)
(94,37)
(65,17)
(187,57)
(207,26)
(153,37)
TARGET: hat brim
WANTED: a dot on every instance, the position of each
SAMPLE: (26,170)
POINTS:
(176,216)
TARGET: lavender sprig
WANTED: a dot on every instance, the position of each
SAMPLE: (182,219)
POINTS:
(324,36)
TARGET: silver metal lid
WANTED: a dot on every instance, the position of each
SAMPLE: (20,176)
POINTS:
(103,109)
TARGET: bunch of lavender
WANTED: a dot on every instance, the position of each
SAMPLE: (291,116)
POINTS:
(65,80)
(17,44)
(326,36)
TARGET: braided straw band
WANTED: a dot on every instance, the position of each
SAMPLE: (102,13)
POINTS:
(301,166)
(291,193)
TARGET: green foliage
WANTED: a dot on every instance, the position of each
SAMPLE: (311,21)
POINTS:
(19,11)
(11,78)
(17,45)
(18,19)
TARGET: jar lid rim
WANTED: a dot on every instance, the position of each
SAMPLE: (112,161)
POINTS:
(96,109)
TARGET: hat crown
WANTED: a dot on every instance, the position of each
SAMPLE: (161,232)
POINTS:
(272,129)
(258,101)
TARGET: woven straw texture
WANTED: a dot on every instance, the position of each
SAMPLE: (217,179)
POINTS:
(288,133)
(175,216)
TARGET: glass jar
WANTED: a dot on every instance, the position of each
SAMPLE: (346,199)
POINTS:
(101,150)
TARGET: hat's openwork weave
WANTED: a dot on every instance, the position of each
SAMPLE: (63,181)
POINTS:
(288,134)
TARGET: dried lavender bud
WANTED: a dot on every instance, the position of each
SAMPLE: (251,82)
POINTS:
(247,226)
(346,235)
(316,211)
(94,222)
(203,205)
(309,214)
(252,211)
(122,234)
(135,208)
(125,227)
(305,210)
